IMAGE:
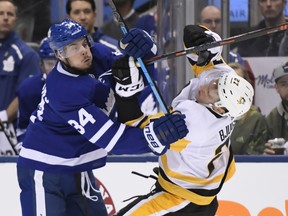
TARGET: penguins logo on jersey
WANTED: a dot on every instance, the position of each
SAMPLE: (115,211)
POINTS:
(241,100)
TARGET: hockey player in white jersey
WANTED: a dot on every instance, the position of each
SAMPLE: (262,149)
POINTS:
(69,135)
(192,172)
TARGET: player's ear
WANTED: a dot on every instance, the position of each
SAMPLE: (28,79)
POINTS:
(58,55)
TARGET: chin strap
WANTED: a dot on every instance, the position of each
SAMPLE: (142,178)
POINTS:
(72,70)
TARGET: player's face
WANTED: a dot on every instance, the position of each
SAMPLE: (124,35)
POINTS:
(208,93)
(77,54)
(7,18)
(82,12)
(271,9)
(48,65)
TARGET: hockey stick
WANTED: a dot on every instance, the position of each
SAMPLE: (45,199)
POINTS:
(144,176)
(124,29)
(2,128)
(227,41)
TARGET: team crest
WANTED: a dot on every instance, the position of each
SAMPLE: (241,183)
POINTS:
(241,100)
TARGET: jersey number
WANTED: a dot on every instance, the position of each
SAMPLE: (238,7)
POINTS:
(84,118)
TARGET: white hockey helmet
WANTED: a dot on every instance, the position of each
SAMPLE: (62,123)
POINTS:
(235,93)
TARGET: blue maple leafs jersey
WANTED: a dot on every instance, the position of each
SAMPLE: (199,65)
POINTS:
(69,132)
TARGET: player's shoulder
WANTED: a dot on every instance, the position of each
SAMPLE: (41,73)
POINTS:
(99,48)
(190,108)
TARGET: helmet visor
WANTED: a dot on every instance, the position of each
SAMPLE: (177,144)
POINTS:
(76,47)
(208,92)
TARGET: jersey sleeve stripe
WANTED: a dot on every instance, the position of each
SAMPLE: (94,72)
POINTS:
(55,160)
(115,138)
(101,131)
(16,48)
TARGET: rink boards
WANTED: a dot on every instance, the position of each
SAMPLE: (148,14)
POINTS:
(259,187)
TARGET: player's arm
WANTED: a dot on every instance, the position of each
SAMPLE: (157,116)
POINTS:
(10,114)
(129,83)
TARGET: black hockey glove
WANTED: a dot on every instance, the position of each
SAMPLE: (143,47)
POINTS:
(195,35)
(129,81)
(164,131)
(138,43)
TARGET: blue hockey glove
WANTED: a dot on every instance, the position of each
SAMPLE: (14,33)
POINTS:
(164,131)
(195,35)
(129,81)
(138,43)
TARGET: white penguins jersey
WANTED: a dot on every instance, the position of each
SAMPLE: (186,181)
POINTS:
(195,167)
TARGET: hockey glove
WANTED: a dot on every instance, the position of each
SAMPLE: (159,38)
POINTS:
(129,81)
(138,43)
(195,35)
(164,131)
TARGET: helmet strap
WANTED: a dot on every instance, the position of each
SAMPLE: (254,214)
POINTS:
(72,70)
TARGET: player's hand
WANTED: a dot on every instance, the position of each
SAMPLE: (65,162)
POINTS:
(129,81)
(268,149)
(164,131)
(138,43)
(195,35)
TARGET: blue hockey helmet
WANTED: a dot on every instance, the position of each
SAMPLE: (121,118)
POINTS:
(45,51)
(68,31)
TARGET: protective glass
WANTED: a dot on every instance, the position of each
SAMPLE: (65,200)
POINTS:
(76,47)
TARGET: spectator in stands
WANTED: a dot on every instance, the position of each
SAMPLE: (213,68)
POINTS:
(278,117)
(125,8)
(210,16)
(17,62)
(251,130)
(267,45)
(283,48)
(84,12)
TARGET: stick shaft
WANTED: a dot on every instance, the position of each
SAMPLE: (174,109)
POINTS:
(2,128)
(124,29)
(230,40)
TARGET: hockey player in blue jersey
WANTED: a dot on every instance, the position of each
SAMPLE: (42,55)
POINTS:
(29,92)
(69,135)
